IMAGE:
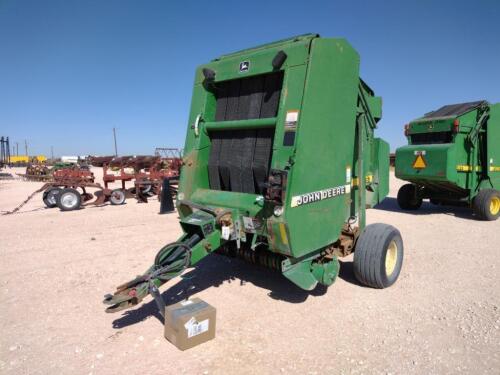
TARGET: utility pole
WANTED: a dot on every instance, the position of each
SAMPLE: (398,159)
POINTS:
(52,153)
(17,149)
(26,146)
(114,136)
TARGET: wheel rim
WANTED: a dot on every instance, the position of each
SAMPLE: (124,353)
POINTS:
(391,258)
(117,196)
(495,205)
(68,200)
(51,198)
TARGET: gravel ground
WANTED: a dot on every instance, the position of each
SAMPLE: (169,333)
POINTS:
(442,316)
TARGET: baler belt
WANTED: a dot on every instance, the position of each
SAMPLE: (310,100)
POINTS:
(272,91)
(239,160)
(234,162)
(247,155)
(248,98)
(233,100)
(213,162)
(240,171)
(224,160)
(262,157)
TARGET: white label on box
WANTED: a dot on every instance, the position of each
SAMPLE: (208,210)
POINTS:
(195,328)
(187,302)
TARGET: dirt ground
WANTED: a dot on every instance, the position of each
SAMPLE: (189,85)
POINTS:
(442,316)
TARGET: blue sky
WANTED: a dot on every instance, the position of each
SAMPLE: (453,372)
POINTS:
(70,71)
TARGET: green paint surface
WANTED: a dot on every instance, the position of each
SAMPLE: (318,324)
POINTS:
(321,81)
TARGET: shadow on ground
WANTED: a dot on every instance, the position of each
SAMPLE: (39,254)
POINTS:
(391,204)
(215,270)
(346,273)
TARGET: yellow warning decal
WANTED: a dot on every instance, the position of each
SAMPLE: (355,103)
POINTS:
(494,169)
(284,237)
(419,162)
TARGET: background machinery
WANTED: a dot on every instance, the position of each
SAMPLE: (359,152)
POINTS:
(280,162)
(453,158)
(145,171)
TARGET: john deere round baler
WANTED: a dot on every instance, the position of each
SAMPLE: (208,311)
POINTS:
(279,164)
(453,158)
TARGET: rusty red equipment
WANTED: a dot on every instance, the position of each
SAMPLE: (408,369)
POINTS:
(149,179)
(63,191)
(146,171)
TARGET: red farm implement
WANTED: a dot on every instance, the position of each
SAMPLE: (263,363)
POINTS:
(146,172)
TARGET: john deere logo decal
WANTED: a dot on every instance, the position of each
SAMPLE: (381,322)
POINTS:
(244,66)
(300,200)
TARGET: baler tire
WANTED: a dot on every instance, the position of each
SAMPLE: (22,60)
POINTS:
(67,204)
(407,198)
(486,204)
(50,197)
(117,197)
(378,256)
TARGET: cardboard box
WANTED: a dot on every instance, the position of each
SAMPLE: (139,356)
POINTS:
(189,323)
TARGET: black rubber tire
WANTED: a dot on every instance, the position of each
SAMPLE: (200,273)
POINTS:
(407,197)
(69,204)
(146,188)
(370,255)
(435,202)
(117,197)
(50,197)
(482,204)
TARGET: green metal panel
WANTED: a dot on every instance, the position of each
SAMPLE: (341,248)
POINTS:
(426,126)
(493,146)
(324,145)
(284,42)
(379,184)
(375,104)
(260,61)
(440,160)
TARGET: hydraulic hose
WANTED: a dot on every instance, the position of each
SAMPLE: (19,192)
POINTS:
(169,262)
